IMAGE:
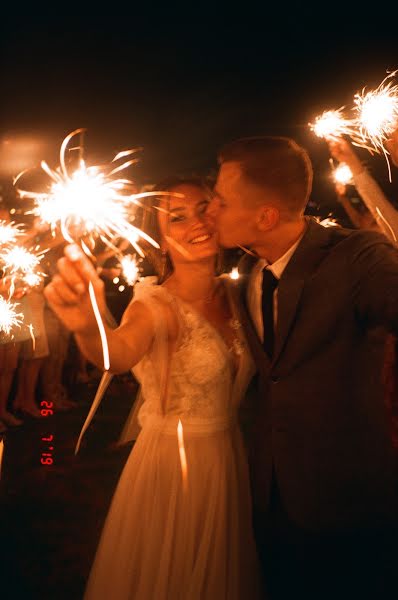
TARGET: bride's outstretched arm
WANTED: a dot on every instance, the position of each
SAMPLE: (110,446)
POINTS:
(68,296)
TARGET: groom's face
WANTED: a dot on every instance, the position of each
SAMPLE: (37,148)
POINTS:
(232,216)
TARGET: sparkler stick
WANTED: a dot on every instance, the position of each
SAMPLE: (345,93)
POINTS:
(104,383)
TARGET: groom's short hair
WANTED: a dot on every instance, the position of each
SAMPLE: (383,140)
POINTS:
(275,163)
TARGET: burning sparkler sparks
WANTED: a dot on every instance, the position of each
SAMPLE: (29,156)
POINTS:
(9,233)
(343,174)
(329,222)
(9,318)
(130,269)
(234,274)
(377,114)
(332,124)
(88,203)
(19,260)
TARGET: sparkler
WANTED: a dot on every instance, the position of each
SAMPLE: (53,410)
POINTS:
(19,260)
(328,222)
(9,317)
(9,233)
(332,124)
(130,268)
(343,174)
(377,114)
(234,274)
(88,203)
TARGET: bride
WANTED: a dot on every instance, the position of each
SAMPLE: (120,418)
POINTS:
(179,525)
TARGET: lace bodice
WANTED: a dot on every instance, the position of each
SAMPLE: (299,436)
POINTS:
(196,381)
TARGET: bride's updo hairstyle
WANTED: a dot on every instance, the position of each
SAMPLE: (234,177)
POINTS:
(159,261)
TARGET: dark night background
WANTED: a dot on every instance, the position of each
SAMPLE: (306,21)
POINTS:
(182,80)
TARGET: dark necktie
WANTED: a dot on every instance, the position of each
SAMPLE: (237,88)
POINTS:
(270,283)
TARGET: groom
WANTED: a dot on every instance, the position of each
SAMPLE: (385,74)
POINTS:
(316,303)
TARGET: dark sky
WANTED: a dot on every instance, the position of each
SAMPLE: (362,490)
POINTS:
(182,81)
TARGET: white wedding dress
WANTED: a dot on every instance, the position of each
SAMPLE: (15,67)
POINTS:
(175,534)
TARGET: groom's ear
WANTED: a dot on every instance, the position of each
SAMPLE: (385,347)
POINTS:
(267,217)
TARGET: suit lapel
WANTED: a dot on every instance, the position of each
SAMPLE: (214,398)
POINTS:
(309,253)
(304,261)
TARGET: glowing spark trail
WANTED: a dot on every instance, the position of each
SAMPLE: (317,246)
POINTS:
(101,327)
(183,457)
(387,224)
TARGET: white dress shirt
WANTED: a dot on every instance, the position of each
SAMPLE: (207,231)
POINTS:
(255,292)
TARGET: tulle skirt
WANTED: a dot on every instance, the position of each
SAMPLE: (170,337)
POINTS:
(164,539)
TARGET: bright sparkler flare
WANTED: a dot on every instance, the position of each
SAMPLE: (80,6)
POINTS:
(20,260)
(33,279)
(183,456)
(329,222)
(9,318)
(130,268)
(234,274)
(89,202)
(343,174)
(9,233)
(332,124)
(377,114)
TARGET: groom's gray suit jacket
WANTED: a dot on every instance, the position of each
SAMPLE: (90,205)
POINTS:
(318,418)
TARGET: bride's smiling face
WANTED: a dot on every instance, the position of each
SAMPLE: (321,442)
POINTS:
(183,226)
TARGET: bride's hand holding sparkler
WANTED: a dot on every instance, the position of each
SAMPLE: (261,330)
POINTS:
(68,293)
(68,296)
